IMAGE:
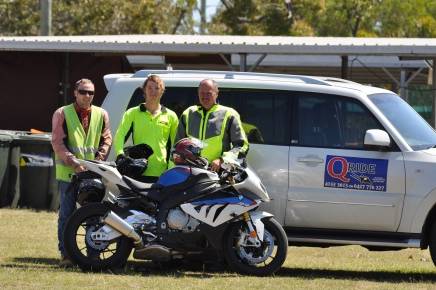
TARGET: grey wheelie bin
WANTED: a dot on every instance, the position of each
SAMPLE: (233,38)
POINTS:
(5,196)
(35,185)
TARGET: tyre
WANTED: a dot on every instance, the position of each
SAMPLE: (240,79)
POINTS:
(432,242)
(87,253)
(246,258)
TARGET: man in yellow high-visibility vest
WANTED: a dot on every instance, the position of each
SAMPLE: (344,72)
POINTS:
(217,126)
(79,130)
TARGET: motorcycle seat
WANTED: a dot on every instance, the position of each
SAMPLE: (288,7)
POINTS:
(151,190)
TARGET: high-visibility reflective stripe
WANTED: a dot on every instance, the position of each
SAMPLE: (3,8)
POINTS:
(83,150)
(187,123)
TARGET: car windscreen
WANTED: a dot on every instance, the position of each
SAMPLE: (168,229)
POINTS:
(414,129)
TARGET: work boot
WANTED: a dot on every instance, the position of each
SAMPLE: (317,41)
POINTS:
(65,262)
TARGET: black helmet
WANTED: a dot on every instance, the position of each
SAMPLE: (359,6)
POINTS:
(134,162)
(90,190)
(139,151)
(187,151)
(133,168)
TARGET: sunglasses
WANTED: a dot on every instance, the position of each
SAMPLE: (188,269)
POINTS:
(84,92)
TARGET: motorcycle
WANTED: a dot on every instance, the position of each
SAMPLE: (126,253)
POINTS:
(188,210)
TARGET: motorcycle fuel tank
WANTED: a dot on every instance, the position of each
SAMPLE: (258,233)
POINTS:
(174,176)
(180,174)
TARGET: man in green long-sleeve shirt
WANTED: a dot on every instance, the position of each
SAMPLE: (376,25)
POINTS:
(152,124)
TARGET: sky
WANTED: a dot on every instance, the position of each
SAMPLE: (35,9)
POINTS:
(211,6)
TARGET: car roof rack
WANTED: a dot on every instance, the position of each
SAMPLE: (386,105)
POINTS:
(221,75)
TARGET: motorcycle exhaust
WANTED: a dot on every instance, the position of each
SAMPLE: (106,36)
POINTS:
(116,222)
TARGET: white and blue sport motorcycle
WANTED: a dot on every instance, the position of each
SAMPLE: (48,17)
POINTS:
(188,210)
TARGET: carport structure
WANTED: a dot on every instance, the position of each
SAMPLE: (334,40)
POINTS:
(220,49)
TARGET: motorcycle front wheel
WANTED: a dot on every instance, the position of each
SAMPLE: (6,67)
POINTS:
(87,253)
(246,258)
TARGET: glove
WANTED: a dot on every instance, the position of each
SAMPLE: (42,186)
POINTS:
(120,159)
(123,162)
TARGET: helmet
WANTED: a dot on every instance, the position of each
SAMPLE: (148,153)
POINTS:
(89,190)
(133,162)
(133,168)
(187,152)
(138,151)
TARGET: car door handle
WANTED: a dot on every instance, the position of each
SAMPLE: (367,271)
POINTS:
(310,159)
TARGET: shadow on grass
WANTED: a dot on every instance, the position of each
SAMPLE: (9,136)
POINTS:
(375,276)
(208,270)
(180,268)
(176,269)
(30,262)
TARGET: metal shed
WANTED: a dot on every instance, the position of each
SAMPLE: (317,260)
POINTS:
(64,54)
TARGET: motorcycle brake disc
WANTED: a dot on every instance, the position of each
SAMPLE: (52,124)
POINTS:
(255,255)
(97,245)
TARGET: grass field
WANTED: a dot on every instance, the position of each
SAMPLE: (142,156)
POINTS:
(28,260)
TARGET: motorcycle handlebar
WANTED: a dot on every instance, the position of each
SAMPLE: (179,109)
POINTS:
(229,171)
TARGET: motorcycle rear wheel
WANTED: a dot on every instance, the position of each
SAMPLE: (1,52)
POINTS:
(259,261)
(88,254)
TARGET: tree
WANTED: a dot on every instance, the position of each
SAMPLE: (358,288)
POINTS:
(375,18)
(346,18)
(18,17)
(89,17)
(252,17)
(98,17)
(399,18)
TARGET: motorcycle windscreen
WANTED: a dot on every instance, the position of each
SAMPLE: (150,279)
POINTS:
(174,175)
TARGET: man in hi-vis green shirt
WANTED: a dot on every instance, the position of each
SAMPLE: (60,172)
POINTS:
(152,124)
(217,126)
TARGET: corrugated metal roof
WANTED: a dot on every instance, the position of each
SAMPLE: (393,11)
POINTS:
(280,60)
(164,44)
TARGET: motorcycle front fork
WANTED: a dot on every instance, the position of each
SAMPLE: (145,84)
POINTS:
(252,237)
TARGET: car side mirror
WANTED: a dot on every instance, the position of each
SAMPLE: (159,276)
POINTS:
(377,138)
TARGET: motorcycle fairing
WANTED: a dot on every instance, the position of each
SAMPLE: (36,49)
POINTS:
(241,200)
(216,214)
(103,169)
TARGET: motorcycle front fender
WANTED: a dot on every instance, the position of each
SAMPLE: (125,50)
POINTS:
(256,218)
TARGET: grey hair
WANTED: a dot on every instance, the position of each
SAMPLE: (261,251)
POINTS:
(214,84)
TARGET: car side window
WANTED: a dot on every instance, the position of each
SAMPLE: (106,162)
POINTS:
(329,121)
(356,119)
(174,98)
(264,113)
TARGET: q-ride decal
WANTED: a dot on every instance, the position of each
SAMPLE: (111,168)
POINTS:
(355,173)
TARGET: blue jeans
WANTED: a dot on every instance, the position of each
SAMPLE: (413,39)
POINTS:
(67,207)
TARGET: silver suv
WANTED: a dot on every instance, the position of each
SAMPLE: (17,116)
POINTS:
(345,164)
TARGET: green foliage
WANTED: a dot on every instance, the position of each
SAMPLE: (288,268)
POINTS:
(86,17)
(99,17)
(346,17)
(18,17)
(252,17)
(399,18)
(361,18)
